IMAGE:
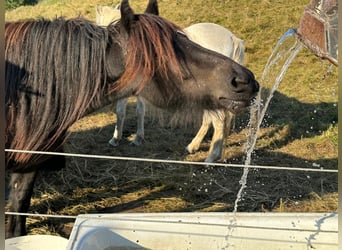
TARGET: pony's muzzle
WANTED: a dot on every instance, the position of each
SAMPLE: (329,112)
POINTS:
(240,84)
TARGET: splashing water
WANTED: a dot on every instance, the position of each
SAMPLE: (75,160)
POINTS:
(286,49)
(281,57)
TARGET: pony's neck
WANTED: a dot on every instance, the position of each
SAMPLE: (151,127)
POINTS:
(105,97)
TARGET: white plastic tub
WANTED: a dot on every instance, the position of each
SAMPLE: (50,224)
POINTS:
(36,242)
(205,231)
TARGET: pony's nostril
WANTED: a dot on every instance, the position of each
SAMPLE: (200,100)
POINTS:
(238,82)
(234,82)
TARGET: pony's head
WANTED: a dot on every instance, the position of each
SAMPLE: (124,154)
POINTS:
(153,57)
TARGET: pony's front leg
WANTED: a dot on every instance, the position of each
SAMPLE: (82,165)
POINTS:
(20,188)
(120,119)
(140,136)
(194,145)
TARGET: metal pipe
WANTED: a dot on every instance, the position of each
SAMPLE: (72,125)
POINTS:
(318,29)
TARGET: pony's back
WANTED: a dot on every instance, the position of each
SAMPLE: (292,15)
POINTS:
(217,38)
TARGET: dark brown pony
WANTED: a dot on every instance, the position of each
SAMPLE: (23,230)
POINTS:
(59,70)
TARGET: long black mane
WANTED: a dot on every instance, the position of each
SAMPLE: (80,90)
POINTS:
(54,71)
(57,69)
(152,51)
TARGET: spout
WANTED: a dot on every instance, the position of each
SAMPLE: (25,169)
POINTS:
(318,29)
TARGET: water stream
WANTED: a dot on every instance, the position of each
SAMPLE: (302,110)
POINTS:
(280,59)
(286,50)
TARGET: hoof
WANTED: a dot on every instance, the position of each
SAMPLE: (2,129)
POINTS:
(114,142)
(209,160)
(188,150)
(138,141)
(212,158)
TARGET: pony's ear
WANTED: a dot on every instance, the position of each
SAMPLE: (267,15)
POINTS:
(127,16)
(152,7)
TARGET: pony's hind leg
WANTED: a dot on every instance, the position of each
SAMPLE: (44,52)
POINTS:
(222,121)
(140,111)
(216,144)
(20,187)
(194,145)
(120,119)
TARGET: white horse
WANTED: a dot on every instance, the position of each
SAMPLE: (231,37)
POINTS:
(210,36)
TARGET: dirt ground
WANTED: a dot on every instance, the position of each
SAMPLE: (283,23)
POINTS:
(117,186)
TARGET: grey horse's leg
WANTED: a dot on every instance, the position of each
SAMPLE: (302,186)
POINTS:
(222,121)
(196,141)
(120,118)
(21,188)
(140,111)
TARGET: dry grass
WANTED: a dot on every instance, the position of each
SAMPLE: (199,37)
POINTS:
(312,203)
(300,130)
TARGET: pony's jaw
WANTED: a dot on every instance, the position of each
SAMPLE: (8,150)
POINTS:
(203,94)
(237,91)
(234,106)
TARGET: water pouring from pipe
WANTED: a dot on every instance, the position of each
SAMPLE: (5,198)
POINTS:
(317,31)
(283,54)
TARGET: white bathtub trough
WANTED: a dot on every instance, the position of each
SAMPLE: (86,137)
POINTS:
(205,231)
(36,242)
